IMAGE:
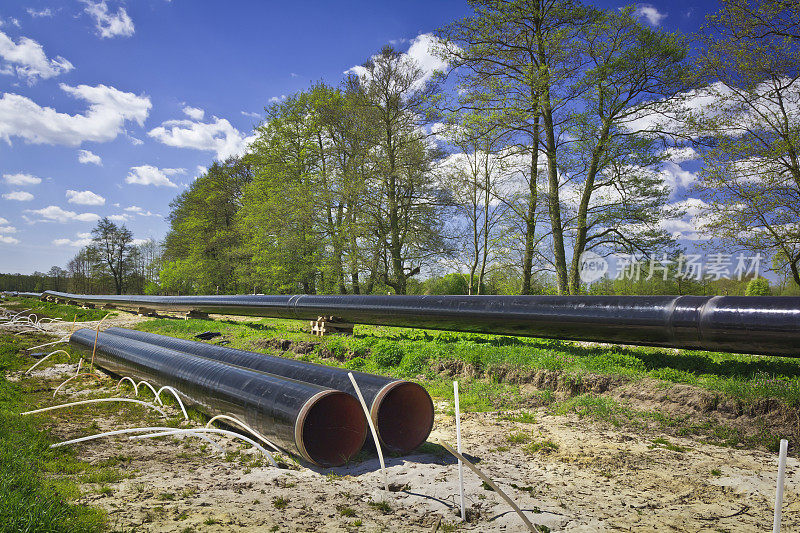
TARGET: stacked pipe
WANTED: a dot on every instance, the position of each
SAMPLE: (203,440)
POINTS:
(740,324)
(305,408)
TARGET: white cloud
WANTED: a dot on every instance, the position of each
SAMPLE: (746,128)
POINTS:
(681,155)
(689,226)
(194,113)
(139,211)
(649,13)
(8,229)
(86,157)
(3,220)
(150,175)
(109,24)
(251,114)
(84,239)
(422,52)
(109,109)
(139,242)
(10,20)
(47,12)
(8,240)
(218,136)
(276,99)
(53,213)
(118,218)
(84,198)
(21,179)
(19,196)
(675,177)
(27,60)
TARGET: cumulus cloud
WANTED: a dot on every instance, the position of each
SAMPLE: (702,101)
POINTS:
(53,213)
(21,179)
(194,113)
(84,198)
(118,218)
(86,157)
(8,240)
(676,177)
(218,136)
(649,13)
(109,109)
(10,20)
(276,99)
(19,196)
(689,226)
(150,175)
(109,24)
(27,60)
(47,12)
(422,52)
(84,239)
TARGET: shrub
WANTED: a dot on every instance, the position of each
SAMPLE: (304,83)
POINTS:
(758,287)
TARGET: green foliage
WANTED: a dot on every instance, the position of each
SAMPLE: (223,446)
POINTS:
(758,287)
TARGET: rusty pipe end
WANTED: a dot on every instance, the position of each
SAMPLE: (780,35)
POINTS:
(330,428)
(403,415)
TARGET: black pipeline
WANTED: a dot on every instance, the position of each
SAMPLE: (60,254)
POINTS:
(323,425)
(745,324)
(402,411)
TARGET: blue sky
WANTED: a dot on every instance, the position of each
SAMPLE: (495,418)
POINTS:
(110,108)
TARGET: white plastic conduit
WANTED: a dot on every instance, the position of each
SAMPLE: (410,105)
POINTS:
(96,400)
(246,428)
(73,377)
(207,430)
(155,393)
(42,360)
(131,430)
(174,393)
(135,386)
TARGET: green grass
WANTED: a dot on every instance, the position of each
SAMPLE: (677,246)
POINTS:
(541,446)
(497,362)
(53,310)
(36,482)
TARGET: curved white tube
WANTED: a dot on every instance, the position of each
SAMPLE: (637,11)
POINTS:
(63,339)
(73,377)
(130,430)
(152,389)
(174,393)
(40,361)
(246,428)
(207,430)
(135,386)
(96,400)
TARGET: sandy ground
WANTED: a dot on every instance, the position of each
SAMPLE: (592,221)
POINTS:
(598,479)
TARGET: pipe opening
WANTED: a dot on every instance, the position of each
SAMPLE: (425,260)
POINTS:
(405,416)
(332,429)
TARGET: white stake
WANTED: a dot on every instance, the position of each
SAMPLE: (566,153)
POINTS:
(776,523)
(458,447)
(371,428)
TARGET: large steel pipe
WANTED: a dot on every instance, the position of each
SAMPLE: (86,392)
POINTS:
(402,411)
(745,324)
(323,425)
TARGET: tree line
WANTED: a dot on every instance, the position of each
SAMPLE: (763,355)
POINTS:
(542,140)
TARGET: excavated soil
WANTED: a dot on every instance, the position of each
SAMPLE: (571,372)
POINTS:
(566,473)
